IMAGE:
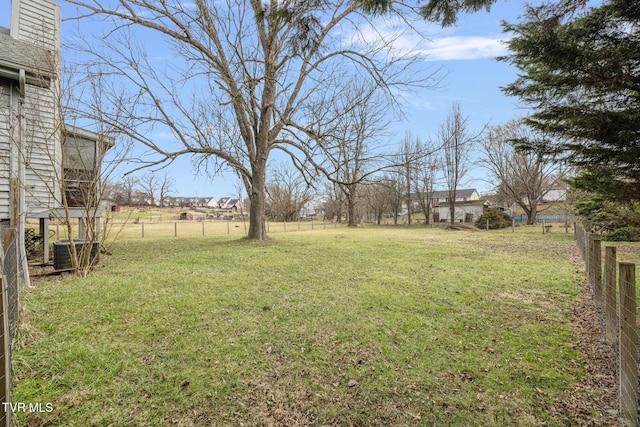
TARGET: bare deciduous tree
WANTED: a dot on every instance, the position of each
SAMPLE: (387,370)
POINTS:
(382,198)
(395,195)
(149,184)
(417,172)
(427,165)
(165,188)
(129,184)
(287,193)
(334,203)
(239,75)
(77,163)
(346,136)
(457,140)
(524,177)
(407,171)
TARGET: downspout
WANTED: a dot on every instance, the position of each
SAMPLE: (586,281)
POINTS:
(22,200)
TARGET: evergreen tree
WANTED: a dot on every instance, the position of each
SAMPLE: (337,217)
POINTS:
(581,77)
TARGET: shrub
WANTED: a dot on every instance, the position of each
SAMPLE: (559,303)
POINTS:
(625,234)
(497,219)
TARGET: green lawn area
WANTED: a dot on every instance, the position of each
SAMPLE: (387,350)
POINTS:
(347,327)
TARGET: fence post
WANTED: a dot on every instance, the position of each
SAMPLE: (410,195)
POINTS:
(586,238)
(175,229)
(628,366)
(513,225)
(610,303)
(203,227)
(5,356)
(142,228)
(595,268)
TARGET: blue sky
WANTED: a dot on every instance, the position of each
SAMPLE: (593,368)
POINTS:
(465,53)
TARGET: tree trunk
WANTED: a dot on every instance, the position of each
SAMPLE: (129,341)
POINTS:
(257,210)
(427,215)
(351,207)
(532,212)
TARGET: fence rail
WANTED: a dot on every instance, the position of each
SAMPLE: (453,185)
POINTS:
(615,298)
(542,217)
(188,228)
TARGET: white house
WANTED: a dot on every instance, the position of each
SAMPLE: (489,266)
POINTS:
(212,203)
(313,208)
(462,195)
(229,204)
(442,197)
(464,211)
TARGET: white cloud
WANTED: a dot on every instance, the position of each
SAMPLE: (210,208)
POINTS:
(464,47)
(431,43)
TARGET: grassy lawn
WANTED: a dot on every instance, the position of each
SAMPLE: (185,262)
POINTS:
(348,327)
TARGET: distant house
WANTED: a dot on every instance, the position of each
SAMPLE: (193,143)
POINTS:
(313,208)
(464,211)
(556,195)
(462,195)
(194,202)
(442,197)
(229,204)
(200,202)
(212,203)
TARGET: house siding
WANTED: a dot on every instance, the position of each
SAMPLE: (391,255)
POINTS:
(461,210)
(36,21)
(29,125)
(42,149)
(6,88)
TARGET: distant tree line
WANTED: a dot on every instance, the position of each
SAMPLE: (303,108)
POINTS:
(140,190)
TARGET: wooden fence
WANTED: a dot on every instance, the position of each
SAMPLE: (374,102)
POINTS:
(614,293)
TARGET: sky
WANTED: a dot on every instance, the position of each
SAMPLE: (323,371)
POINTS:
(469,74)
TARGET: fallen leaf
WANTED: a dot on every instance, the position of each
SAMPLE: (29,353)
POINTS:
(352,383)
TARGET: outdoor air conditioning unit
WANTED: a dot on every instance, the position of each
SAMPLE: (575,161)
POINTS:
(62,253)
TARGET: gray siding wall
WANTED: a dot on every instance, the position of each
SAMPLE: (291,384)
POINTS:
(5,146)
(36,21)
(42,150)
